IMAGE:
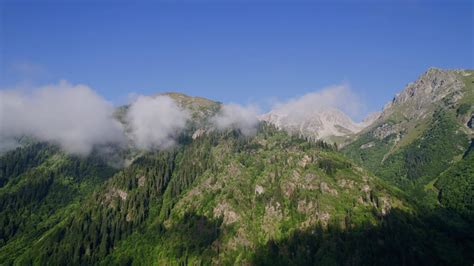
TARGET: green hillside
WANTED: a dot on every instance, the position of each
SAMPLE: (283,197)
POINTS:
(412,152)
(456,186)
(225,199)
(401,193)
(40,187)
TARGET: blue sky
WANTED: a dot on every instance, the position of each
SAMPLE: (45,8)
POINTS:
(233,51)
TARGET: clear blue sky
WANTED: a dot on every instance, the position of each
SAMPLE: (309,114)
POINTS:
(233,51)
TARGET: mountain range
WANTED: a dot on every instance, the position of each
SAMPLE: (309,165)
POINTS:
(286,189)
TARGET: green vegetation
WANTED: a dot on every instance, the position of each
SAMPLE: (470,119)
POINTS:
(401,194)
(456,187)
(421,160)
(400,239)
(220,199)
(40,187)
(463,109)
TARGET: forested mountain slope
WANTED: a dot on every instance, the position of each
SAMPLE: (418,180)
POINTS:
(226,198)
(421,133)
(223,196)
(456,186)
(40,186)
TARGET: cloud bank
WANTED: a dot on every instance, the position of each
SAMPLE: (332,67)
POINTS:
(77,118)
(73,116)
(237,116)
(338,97)
(155,121)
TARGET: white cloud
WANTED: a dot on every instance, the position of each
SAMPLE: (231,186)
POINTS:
(77,118)
(339,97)
(73,116)
(155,121)
(237,116)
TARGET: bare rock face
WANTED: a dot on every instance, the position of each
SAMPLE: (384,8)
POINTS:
(366,193)
(386,130)
(305,161)
(112,194)
(225,210)
(415,105)
(324,187)
(129,217)
(305,207)
(367,145)
(433,86)
(259,189)
(141,181)
(346,183)
(122,194)
(384,205)
(273,215)
(198,133)
(320,124)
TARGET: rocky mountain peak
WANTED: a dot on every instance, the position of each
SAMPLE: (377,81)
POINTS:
(319,124)
(191,102)
(200,108)
(435,83)
(431,87)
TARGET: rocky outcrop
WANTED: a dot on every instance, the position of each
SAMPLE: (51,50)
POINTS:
(325,189)
(141,181)
(321,124)
(271,218)
(386,130)
(431,87)
(112,194)
(198,133)
(259,189)
(223,209)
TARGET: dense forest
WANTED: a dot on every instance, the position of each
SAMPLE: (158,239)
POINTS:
(225,198)
(399,192)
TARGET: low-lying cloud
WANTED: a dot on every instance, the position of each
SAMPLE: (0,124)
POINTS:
(77,118)
(73,116)
(338,97)
(243,118)
(155,121)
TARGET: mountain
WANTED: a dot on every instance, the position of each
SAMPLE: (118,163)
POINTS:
(419,99)
(201,108)
(236,192)
(329,124)
(219,196)
(222,198)
(422,132)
